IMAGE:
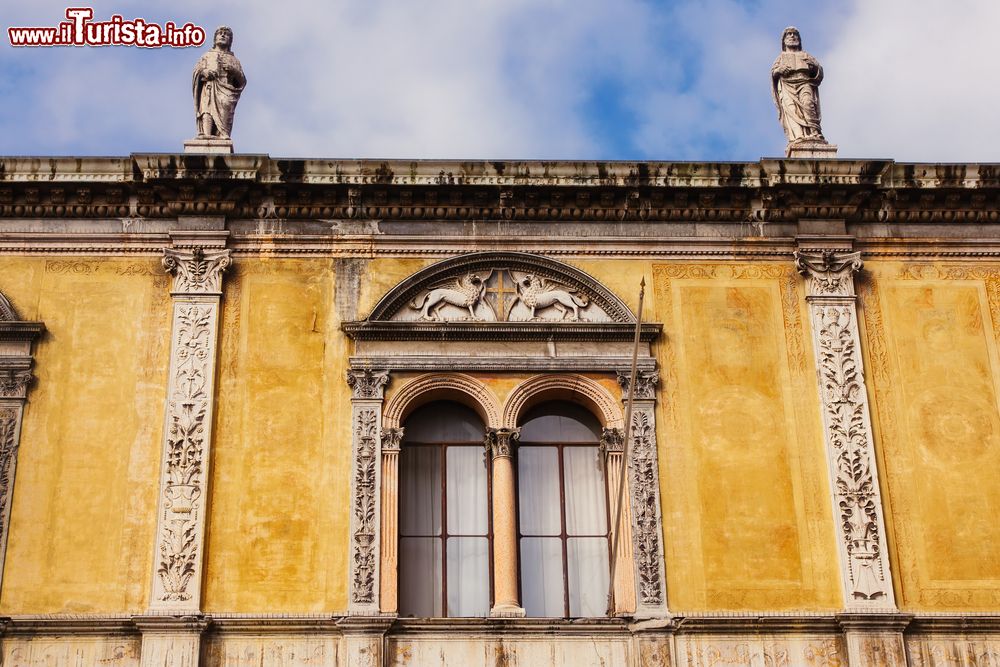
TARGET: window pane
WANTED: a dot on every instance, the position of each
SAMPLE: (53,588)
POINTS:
(542,576)
(584,478)
(444,421)
(468,576)
(538,490)
(466,491)
(587,560)
(420,490)
(560,421)
(420,576)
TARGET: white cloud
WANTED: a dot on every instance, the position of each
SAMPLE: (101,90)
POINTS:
(915,80)
(549,79)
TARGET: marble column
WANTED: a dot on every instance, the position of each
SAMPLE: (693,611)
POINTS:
(16,338)
(389,568)
(368,387)
(644,491)
(500,443)
(857,502)
(613,446)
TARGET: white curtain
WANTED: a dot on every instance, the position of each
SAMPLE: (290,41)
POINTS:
(468,518)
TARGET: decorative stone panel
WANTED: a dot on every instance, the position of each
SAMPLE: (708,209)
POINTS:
(187,433)
(368,388)
(644,487)
(857,502)
(16,339)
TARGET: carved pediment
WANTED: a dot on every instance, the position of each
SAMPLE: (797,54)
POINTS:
(497,294)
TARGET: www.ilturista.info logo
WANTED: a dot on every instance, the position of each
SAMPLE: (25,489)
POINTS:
(80,30)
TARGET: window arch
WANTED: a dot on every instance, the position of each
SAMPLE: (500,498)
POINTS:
(563,519)
(444,517)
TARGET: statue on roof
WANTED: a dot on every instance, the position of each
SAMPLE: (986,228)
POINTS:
(217,83)
(795,79)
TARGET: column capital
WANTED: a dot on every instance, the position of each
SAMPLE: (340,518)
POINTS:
(828,273)
(14,381)
(613,441)
(196,270)
(500,442)
(645,384)
(391,439)
(367,384)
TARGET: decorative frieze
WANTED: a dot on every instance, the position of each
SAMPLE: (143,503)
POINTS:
(857,502)
(368,388)
(187,432)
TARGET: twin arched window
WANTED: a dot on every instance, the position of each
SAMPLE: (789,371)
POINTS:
(445,532)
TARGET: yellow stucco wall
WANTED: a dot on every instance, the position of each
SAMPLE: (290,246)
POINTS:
(930,342)
(746,503)
(82,519)
(278,529)
(745,491)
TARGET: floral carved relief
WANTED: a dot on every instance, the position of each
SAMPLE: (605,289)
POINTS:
(187,426)
(645,504)
(846,420)
(196,271)
(364,547)
(8,455)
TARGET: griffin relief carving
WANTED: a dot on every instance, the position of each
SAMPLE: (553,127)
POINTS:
(539,293)
(464,292)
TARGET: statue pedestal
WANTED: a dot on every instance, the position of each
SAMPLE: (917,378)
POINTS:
(811,149)
(210,146)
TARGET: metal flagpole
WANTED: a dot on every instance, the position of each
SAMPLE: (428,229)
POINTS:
(625,462)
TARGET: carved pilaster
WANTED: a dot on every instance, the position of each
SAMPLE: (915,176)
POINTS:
(392,438)
(187,431)
(644,492)
(366,475)
(857,502)
(875,640)
(16,339)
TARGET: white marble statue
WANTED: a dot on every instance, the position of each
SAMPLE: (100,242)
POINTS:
(795,79)
(217,83)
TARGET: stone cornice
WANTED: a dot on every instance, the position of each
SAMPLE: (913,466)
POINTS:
(148,187)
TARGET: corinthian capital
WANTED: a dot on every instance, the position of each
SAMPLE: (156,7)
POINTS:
(196,271)
(391,439)
(367,384)
(500,441)
(828,272)
(645,384)
(14,382)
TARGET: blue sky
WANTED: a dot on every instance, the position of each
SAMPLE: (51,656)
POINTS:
(913,80)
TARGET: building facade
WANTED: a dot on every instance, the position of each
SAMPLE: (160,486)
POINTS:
(257,411)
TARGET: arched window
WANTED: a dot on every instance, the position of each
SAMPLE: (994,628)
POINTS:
(562,513)
(444,518)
